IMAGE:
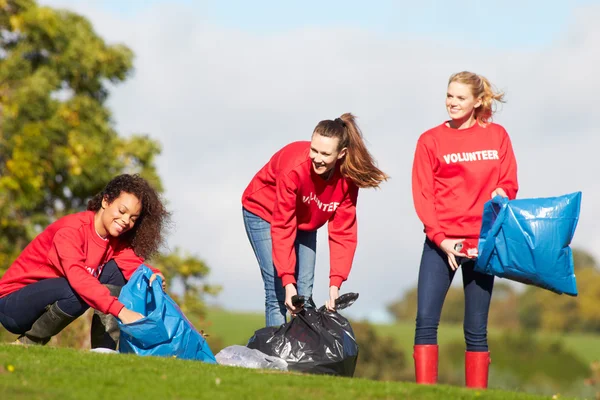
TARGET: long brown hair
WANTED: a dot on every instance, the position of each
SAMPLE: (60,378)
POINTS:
(480,88)
(358,164)
(146,236)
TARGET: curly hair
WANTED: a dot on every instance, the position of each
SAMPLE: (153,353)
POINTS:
(146,236)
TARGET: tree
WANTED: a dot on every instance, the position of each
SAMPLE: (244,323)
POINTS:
(190,272)
(502,309)
(379,357)
(58,146)
(57,143)
(542,309)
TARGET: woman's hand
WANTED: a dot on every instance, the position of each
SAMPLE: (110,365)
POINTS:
(447,247)
(164,282)
(334,293)
(499,192)
(128,316)
(290,291)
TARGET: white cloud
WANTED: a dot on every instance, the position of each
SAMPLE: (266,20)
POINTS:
(222,101)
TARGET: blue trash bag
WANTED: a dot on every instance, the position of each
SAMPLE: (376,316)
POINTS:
(164,330)
(527,240)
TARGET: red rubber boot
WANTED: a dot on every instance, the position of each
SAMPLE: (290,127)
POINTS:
(426,363)
(477,365)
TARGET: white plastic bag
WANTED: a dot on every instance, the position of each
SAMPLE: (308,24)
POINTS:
(241,356)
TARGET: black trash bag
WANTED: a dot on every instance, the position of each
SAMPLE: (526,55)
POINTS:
(316,341)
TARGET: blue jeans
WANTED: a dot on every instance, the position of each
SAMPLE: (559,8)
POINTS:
(435,277)
(20,309)
(259,234)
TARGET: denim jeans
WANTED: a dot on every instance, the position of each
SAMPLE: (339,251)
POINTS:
(259,234)
(435,277)
(20,309)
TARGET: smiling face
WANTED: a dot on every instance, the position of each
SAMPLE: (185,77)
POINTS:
(119,216)
(324,153)
(461,104)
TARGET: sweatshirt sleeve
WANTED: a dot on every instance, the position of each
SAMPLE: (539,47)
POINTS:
(343,233)
(423,190)
(68,256)
(283,229)
(128,261)
(508,168)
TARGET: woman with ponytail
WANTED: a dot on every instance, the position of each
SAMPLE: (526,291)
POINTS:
(458,166)
(303,186)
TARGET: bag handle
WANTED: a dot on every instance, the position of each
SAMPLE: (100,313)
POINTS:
(489,245)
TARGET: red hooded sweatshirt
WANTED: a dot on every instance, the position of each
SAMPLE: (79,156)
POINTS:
(455,172)
(289,195)
(71,248)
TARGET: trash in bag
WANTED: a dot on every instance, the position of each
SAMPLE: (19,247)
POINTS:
(527,240)
(242,356)
(164,330)
(315,340)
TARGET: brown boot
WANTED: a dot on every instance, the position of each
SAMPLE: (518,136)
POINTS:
(50,323)
(105,331)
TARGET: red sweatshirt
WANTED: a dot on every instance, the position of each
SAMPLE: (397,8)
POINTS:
(71,248)
(454,173)
(289,195)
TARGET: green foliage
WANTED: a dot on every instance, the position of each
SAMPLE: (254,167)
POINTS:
(530,307)
(58,146)
(379,356)
(191,272)
(522,360)
(502,311)
(542,309)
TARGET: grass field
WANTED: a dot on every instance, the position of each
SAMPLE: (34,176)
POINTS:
(55,373)
(237,328)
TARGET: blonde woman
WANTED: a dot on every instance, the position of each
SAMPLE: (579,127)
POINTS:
(458,166)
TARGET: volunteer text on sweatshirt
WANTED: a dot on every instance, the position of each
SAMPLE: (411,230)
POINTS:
(71,248)
(455,172)
(288,194)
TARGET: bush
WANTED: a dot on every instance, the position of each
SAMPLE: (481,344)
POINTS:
(522,361)
(379,357)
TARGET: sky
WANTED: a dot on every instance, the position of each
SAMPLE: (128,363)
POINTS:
(224,84)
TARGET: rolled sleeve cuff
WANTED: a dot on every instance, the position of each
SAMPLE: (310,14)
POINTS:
(438,238)
(115,308)
(287,279)
(336,281)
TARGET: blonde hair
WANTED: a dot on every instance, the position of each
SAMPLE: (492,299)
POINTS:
(358,164)
(480,88)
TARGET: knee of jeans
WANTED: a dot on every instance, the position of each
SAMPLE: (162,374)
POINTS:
(73,305)
(111,274)
(11,325)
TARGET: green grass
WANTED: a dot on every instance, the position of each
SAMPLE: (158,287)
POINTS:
(585,346)
(55,373)
(232,327)
(237,328)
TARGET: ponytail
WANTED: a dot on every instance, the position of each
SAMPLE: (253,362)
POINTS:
(358,164)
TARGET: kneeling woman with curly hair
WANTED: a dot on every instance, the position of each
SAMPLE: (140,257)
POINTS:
(83,260)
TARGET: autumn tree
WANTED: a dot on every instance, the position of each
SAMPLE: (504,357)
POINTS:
(58,143)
